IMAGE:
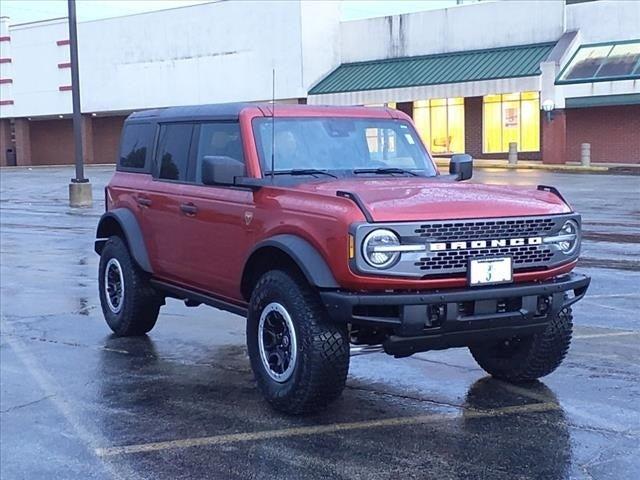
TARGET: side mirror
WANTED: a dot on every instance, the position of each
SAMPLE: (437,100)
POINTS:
(219,169)
(461,165)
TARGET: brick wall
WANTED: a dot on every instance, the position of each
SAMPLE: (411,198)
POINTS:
(5,140)
(473,133)
(106,138)
(611,131)
(51,142)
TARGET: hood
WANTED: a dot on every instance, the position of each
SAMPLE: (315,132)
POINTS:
(416,199)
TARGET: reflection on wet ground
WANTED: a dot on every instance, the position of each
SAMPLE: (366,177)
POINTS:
(77,402)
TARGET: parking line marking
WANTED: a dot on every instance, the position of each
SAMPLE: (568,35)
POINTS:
(54,395)
(615,295)
(610,334)
(609,307)
(319,429)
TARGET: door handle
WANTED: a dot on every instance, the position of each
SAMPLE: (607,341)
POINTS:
(143,201)
(189,208)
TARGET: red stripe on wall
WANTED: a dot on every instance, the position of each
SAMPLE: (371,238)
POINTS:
(5,38)
(62,42)
(6,102)
(64,88)
(64,65)
(6,80)
(5,60)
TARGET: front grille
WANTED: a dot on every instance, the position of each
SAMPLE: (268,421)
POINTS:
(485,229)
(523,256)
(494,237)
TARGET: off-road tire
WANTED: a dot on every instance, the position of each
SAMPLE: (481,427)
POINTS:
(531,357)
(320,371)
(140,303)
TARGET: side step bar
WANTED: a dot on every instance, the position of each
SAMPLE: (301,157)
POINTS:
(193,297)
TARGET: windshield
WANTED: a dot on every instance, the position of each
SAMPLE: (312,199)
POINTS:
(343,146)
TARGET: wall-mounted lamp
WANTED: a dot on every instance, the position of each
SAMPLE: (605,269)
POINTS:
(548,106)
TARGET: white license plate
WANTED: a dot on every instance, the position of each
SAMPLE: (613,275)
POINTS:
(490,271)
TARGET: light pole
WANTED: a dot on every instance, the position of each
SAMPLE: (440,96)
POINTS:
(80,194)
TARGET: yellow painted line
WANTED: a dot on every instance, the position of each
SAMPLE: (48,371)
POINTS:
(319,429)
(610,334)
(526,392)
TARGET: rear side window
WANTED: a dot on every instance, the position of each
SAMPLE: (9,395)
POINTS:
(136,140)
(173,151)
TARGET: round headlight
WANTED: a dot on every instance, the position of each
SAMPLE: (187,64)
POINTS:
(569,231)
(378,246)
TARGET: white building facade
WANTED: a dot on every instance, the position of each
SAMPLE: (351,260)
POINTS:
(474,77)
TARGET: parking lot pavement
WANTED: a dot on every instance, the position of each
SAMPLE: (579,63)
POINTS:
(77,402)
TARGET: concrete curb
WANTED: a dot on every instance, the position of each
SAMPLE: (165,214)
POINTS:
(62,165)
(486,164)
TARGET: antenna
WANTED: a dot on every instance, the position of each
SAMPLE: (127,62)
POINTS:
(273,125)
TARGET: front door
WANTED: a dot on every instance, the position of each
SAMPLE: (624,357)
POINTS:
(219,231)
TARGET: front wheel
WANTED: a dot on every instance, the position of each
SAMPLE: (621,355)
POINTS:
(528,358)
(299,358)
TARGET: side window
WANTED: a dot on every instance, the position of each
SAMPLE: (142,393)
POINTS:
(136,139)
(172,154)
(218,140)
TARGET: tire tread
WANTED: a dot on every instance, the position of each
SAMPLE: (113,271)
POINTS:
(545,353)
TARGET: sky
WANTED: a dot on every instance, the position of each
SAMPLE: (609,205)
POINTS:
(21,11)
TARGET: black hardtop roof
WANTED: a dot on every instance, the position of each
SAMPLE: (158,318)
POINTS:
(228,111)
(231,111)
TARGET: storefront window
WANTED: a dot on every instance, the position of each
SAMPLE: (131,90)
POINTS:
(440,123)
(511,117)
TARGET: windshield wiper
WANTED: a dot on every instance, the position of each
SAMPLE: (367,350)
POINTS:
(384,171)
(301,171)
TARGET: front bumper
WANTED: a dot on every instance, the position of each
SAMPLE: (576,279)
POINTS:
(442,319)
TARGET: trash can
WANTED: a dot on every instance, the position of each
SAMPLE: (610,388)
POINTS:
(10,157)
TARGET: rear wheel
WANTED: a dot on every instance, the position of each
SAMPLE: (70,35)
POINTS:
(129,304)
(528,358)
(299,358)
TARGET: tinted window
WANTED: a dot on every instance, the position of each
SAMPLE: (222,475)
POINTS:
(218,140)
(135,143)
(173,151)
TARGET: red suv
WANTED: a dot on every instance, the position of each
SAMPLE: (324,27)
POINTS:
(332,231)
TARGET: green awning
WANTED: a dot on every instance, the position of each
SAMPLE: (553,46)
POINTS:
(603,100)
(494,63)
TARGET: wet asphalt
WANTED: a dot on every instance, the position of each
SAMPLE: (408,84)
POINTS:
(78,403)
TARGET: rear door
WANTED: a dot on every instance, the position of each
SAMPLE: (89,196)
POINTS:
(163,201)
(219,233)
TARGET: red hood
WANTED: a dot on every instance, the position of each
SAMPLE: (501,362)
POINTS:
(411,199)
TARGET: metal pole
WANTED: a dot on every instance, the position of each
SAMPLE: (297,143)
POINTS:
(75,92)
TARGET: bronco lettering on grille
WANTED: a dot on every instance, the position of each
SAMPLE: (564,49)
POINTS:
(500,242)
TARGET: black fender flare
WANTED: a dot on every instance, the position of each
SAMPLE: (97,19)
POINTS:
(306,256)
(129,226)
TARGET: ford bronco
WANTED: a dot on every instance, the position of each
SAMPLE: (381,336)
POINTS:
(331,230)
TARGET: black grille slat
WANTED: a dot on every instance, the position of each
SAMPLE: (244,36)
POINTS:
(488,229)
(457,259)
